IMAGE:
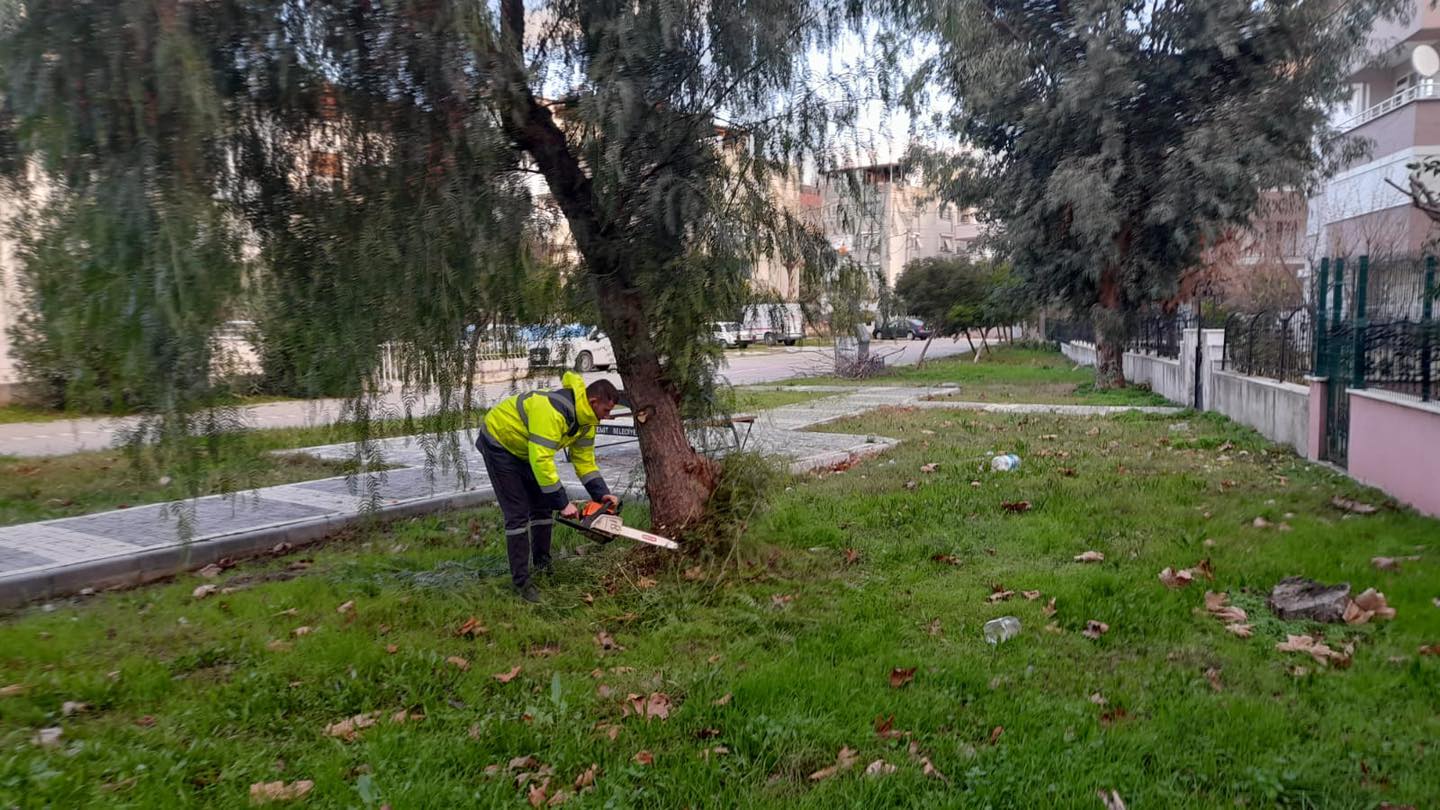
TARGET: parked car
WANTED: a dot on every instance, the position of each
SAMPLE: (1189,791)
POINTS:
(901,328)
(773,324)
(577,346)
(729,334)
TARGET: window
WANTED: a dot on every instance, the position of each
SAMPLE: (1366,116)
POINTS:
(945,212)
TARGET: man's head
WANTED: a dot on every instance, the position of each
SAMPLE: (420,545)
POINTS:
(603,397)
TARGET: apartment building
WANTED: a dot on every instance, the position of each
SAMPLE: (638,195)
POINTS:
(1398,110)
(882,216)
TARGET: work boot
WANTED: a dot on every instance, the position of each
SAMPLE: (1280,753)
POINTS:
(529,593)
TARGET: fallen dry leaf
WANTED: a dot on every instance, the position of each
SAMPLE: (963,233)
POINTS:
(346,607)
(656,705)
(1094,629)
(588,599)
(1354,507)
(211,571)
(391,649)
(1241,630)
(1204,569)
(912,485)
(1030,595)
(607,642)
(885,728)
(1321,652)
(852,556)
(536,794)
(644,758)
(458,662)
(303,630)
(1430,649)
(999,596)
(946,559)
(47,737)
(1089,557)
(145,720)
(934,628)
(559,798)
(1111,800)
(13,689)
(781,599)
(724,700)
(694,574)
(70,707)
(611,730)
(587,777)
(899,677)
(526,762)
(929,468)
(995,734)
(203,591)
(267,792)
(645,583)
(928,768)
(1260,523)
(351,727)
(844,761)
(1176,579)
(1392,563)
(879,768)
(1049,609)
(1213,676)
(718,751)
(1015,507)
(1373,601)
(471,627)
(506,677)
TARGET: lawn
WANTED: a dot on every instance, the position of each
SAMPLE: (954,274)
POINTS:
(766,664)
(1009,374)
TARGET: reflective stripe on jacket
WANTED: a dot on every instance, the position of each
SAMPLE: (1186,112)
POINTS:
(537,424)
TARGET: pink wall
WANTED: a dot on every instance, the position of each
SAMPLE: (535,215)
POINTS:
(1395,445)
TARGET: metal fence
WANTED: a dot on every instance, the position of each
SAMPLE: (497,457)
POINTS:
(1158,335)
(1399,350)
(1276,344)
(1402,356)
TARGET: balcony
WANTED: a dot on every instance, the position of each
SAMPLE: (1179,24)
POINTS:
(1424,91)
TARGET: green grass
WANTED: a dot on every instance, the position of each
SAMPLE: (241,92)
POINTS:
(16,414)
(802,640)
(1009,374)
(47,487)
(749,400)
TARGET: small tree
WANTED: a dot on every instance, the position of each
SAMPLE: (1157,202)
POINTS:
(950,294)
(1114,140)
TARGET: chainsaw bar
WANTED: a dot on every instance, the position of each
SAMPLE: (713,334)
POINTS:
(604,526)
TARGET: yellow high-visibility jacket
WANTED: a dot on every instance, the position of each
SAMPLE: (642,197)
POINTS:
(537,424)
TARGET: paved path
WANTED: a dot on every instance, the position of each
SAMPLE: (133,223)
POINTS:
(743,368)
(55,557)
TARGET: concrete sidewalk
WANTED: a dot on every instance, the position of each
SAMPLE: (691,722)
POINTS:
(130,546)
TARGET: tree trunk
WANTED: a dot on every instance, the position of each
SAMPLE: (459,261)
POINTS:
(920,363)
(984,347)
(971,342)
(1111,333)
(677,479)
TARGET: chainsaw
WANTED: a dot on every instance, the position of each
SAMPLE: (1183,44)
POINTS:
(601,522)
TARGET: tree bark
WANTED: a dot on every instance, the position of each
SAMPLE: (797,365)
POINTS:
(677,479)
(1110,333)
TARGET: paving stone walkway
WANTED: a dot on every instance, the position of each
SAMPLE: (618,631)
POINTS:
(122,547)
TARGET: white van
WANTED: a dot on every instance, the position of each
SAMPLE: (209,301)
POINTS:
(773,324)
(577,346)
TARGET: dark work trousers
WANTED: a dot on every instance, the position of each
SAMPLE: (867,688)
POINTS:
(528,517)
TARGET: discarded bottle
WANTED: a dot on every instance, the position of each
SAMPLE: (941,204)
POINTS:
(1005,463)
(1002,629)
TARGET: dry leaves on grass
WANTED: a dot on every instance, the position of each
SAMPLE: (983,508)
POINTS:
(1015,507)
(507,676)
(1111,799)
(656,705)
(852,556)
(998,594)
(349,728)
(694,574)
(610,730)
(1213,676)
(879,768)
(47,737)
(1176,579)
(13,689)
(1320,651)
(1392,563)
(458,662)
(471,628)
(1204,569)
(303,630)
(267,792)
(1030,595)
(724,700)
(203,591)
(1368,605)
(899,677)
(1089,557)
(929,468)
(945,559)
(346,608)
(844,761)
(912,485)
(1216,604)
(1049,609)
(1353,506)
(607,642)
(645,583)
(926,766)
(780,600)
(1094,629)
(885,728)
(587,777)
(211,571)
(644,758)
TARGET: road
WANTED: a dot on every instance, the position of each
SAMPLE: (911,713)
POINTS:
(747,367)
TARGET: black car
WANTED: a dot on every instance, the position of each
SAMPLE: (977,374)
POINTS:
(911,328)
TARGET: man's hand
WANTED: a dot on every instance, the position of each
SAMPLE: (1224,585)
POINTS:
(611,501)
(569,512)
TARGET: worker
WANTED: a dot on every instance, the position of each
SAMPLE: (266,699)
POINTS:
(518,440)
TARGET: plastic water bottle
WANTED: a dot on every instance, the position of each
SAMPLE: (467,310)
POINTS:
(1002,629)
(1005,463)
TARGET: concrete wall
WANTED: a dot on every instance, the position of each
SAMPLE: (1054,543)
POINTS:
(1161,373)
(1395,445)
(1279,410)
